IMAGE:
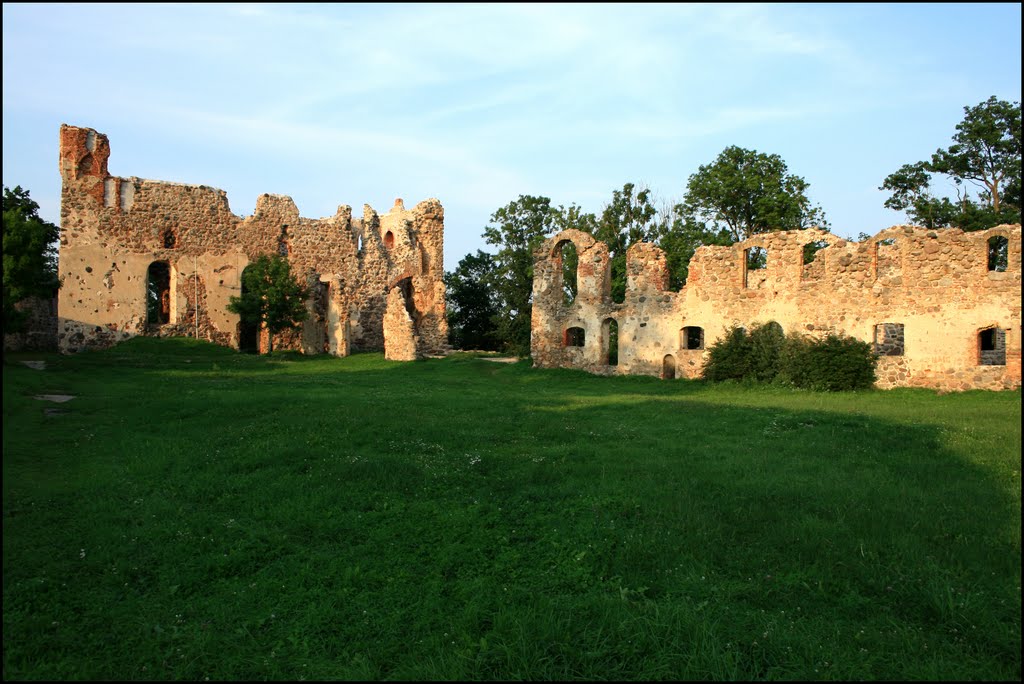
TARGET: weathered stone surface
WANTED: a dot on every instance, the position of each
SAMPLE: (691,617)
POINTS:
(925,298)
(113,229)
(399,329)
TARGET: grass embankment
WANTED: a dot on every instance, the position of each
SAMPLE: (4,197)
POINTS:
(199,513)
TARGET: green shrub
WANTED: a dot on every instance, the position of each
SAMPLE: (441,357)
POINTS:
(766,342)
(834,363)
(729,357)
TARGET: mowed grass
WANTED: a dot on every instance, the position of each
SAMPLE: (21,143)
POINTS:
(198,513)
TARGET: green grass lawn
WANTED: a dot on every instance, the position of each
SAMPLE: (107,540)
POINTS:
(197,513)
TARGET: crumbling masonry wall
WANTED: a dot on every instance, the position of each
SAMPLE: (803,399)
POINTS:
(940,312)
(114,229)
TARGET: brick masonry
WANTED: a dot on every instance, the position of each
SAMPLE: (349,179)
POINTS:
(114,229)
(934,295)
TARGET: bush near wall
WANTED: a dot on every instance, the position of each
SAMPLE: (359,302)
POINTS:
(766,354)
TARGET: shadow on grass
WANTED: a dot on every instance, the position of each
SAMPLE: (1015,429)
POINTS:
(549,524)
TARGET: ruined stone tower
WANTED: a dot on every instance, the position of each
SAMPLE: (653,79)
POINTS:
(143,257)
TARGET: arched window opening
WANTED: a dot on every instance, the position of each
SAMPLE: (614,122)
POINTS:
(158,293)
(248,330)
(889,339)
(998,253)
(405,287)
(610,332)
(170,240)
(691,337)
(992,347)
(359,245)
(668,367)
(569,266)
(755,264)
(574,337)
(389,240)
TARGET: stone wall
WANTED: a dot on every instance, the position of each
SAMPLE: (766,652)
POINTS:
(40,331)
(113,229)
(939,312)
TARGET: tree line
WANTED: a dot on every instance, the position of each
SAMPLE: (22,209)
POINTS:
(741,193)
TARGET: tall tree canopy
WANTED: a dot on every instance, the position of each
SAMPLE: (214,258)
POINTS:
(746,192)
(472,306)
(516,230)
(742,193)
(986,153)
(30,255)
(628,218)
(271,296)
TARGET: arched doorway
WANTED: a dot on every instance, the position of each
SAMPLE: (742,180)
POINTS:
(158,293)
(248,331)
(668,367)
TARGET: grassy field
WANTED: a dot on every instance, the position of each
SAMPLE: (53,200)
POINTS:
(196,513)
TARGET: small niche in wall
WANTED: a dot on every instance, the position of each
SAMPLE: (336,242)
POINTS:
(889,339)
(574,337)
(992,347)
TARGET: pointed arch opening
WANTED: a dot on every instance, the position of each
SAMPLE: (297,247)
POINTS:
(159,294)
(248,330)
(610,335)
(568,268)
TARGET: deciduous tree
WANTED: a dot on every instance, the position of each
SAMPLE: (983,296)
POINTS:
(30,255)
(271,296)
(986,153)
(517,229)
(472,306)
(746,192)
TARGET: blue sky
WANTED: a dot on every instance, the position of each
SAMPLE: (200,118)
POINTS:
(478,104)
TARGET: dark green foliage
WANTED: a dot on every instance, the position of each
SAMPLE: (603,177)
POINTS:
(747,192)
(833,364)
(30,255)
(271,296)
(729,357)
(517,229)
(766,342)
(629,218)
(471,305)
(766,354)
(986,152)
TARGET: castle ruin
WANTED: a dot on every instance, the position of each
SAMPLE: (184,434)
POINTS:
(941,307)
(143,257)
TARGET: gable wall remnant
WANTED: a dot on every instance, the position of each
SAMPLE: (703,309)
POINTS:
(932,292)
(113,229)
